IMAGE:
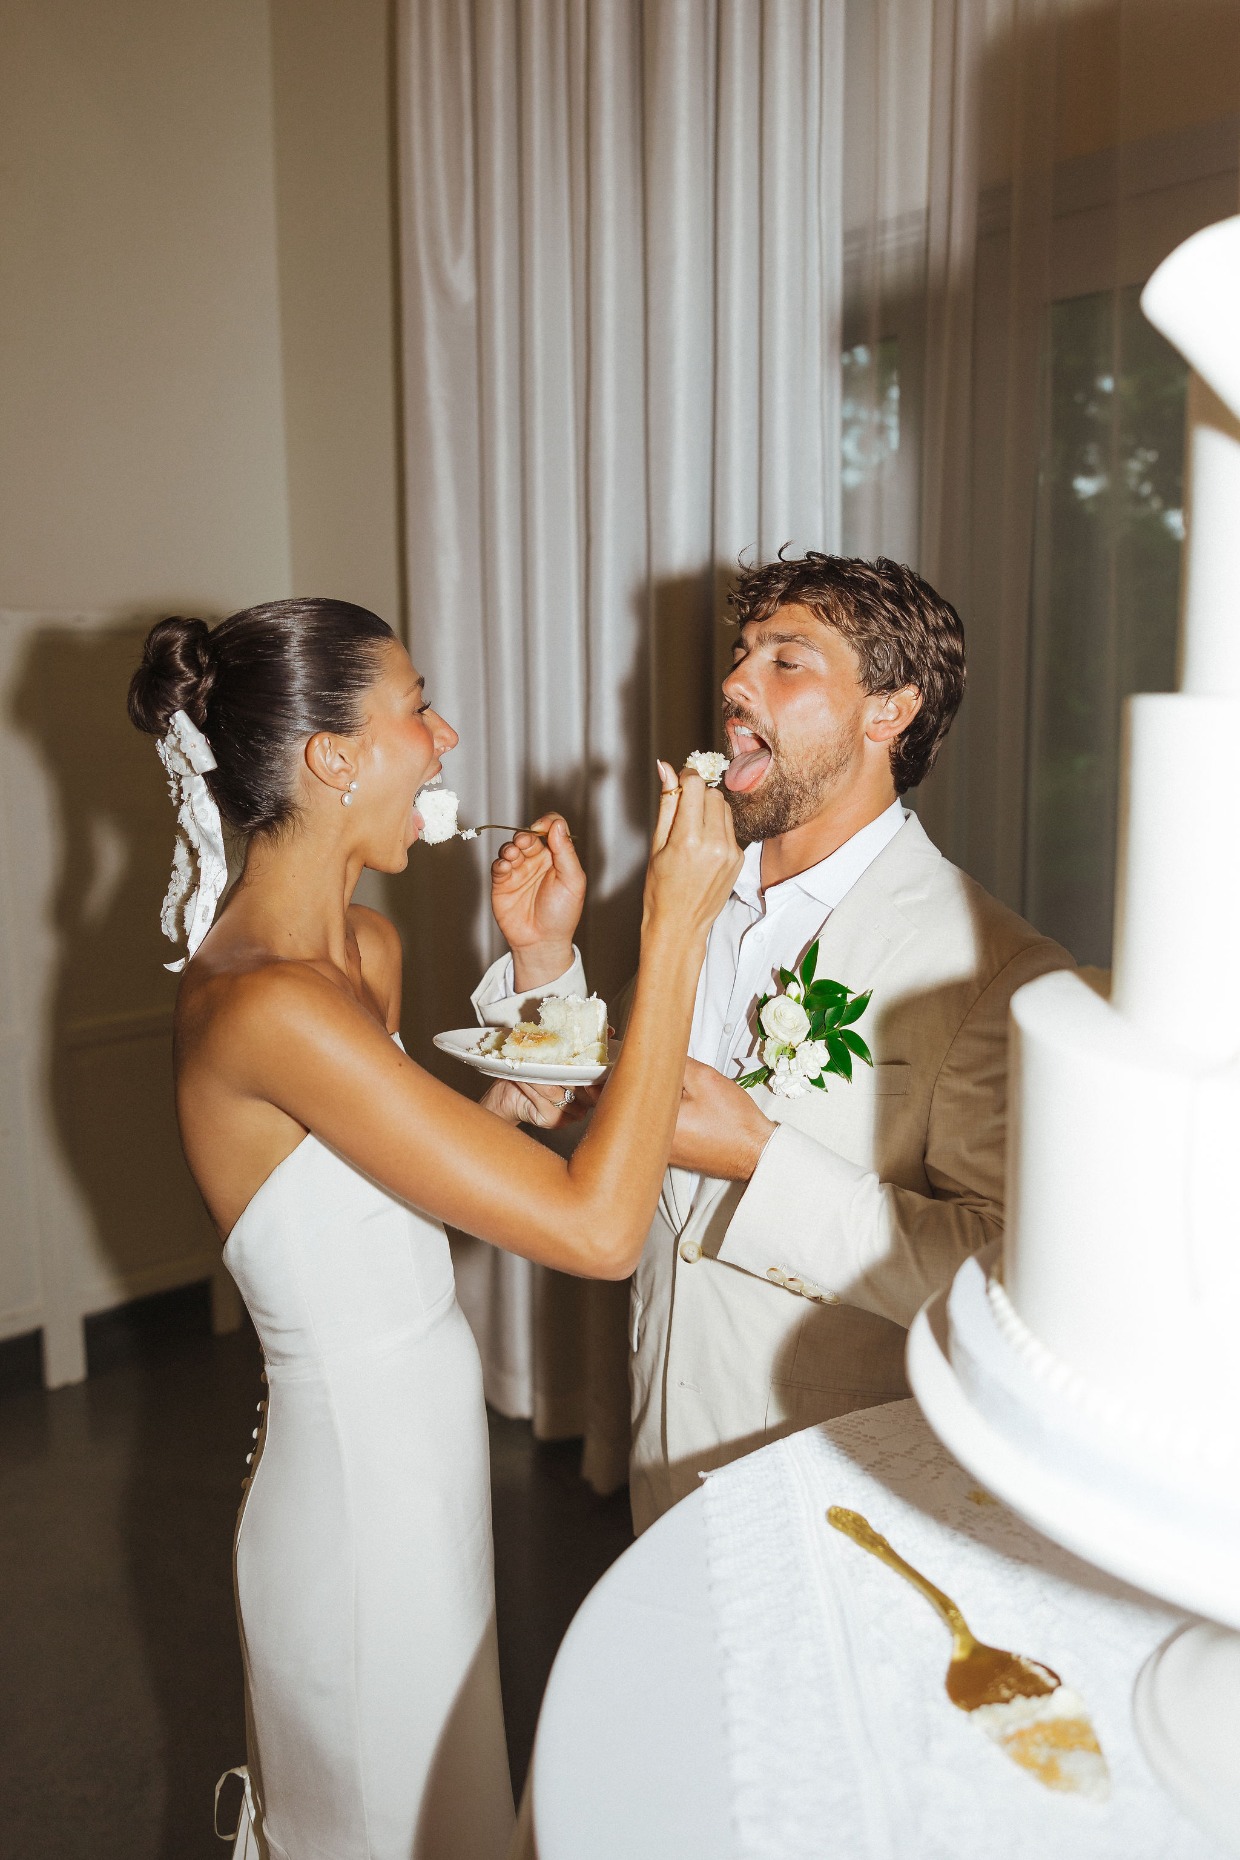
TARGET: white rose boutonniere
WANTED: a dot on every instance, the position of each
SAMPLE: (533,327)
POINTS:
(807,1033)
(784,1020)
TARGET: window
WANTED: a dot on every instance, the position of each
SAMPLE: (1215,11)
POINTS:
(871,464)
(1105,593)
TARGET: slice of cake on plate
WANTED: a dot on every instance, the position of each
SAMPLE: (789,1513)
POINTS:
(580,1022)
(571,1031)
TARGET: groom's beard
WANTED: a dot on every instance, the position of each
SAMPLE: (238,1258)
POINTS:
(794,788)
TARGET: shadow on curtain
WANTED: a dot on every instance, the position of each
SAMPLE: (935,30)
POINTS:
(620,303)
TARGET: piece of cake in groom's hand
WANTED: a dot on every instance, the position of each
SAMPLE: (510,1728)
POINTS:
(709,764)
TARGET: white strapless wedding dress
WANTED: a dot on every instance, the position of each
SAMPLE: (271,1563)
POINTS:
(363,1557)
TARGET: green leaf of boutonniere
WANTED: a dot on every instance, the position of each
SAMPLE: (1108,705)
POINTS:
(855,1044)
(820,994)
(856,1008)
(830,1008)
(841,1058)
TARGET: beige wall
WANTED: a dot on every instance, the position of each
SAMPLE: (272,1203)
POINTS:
(142,458)
(337,296)
(198,390)
(1173,63)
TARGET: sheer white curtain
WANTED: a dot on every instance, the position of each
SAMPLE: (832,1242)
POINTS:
(910,185)
(621,270)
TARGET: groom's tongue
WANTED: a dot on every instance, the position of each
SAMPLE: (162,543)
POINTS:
(750,760)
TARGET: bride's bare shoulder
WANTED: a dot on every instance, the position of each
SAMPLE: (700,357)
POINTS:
(241,1019)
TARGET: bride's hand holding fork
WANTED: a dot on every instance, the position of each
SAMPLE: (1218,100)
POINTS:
(537,892)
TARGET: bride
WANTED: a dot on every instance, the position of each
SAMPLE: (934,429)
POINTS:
(329,1160)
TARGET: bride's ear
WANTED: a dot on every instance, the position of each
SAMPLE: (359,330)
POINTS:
(332,760)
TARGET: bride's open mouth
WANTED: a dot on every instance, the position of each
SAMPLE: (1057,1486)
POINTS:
(751,757)
(428,781)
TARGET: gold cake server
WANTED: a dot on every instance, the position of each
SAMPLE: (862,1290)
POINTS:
(1021,1705)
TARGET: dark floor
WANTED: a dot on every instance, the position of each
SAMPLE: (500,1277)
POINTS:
(120,1681)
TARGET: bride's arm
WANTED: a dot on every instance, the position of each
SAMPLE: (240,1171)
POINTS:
(301,1044)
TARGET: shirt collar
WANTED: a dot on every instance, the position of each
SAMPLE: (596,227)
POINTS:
(830,881)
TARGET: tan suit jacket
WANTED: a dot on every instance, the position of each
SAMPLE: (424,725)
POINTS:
(785,1300)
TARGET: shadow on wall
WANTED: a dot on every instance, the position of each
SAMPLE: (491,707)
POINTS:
(95,830)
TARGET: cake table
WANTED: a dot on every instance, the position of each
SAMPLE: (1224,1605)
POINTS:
(683,1719)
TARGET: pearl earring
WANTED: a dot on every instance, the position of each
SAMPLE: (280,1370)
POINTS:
(346,799)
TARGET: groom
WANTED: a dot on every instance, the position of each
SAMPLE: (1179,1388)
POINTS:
(796,1237)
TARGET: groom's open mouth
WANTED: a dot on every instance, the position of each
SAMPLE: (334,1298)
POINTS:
(751,757)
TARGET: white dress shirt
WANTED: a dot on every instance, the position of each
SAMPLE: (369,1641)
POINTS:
(758,933)
(755,935)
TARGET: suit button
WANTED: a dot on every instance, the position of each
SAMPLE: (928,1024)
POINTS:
(776,1276)
(690,1251)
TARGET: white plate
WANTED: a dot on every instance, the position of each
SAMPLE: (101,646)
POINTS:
(463,1043)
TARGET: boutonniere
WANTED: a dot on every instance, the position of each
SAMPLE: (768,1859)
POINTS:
(806,1032)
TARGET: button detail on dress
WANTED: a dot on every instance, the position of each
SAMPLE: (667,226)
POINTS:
(690,1251)
(776,1275)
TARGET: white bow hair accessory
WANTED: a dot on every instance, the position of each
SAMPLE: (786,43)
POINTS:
(189,906)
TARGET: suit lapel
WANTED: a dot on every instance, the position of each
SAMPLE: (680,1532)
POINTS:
(869,923)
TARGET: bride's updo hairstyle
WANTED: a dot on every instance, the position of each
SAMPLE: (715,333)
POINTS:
(258,686)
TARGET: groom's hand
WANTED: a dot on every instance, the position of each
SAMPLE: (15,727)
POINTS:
(537,891)
(719,1130)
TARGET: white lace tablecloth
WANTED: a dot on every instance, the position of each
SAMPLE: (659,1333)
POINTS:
(840,1738)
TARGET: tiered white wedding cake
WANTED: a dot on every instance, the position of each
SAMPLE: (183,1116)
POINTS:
(1092,1375)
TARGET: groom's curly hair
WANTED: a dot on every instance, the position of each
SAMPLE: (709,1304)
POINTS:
(902,632)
